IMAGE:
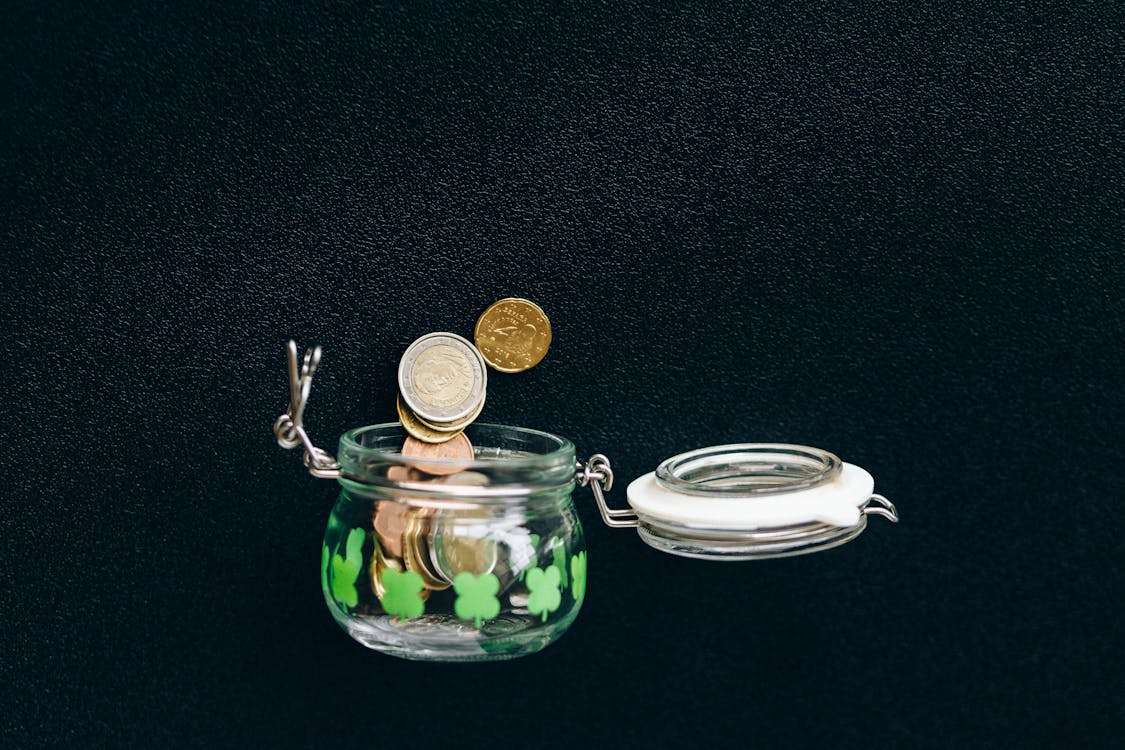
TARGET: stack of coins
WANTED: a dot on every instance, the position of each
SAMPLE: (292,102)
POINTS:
(442,385)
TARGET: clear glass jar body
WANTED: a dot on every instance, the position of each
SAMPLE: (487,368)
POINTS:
(478,560)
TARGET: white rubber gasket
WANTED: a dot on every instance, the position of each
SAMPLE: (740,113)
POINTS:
(837,502)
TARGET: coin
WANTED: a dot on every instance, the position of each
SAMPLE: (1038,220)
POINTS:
(453,552)
(442,377)
(389,522)
(513,334)
(379,563)
(451,427)
(464,479)
(415,553)
(458,448)
(418,429)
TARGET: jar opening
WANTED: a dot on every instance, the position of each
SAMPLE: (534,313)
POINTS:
(507,462)
(748,470)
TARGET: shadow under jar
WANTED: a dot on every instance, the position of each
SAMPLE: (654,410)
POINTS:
(448,560)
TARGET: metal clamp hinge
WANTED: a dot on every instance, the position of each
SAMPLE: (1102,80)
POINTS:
(877,505)
(290,427)
(596,473)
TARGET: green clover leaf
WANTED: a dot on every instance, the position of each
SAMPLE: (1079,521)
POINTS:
(476,597)
(345,570)
(543,583)
(578,576)
(558,551)
(533,562)
(402,593)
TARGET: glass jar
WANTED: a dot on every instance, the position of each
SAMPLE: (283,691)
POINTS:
(471,561)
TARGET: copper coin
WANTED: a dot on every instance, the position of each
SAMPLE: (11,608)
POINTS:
(389,522)
(456,449)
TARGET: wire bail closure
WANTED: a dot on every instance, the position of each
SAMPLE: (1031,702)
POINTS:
(598,474)
(289,428)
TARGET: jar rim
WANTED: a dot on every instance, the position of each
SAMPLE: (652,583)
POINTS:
(561,448)
(745,470)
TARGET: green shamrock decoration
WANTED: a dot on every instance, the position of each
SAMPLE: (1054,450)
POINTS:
(543,583)
(476,597)
(558,551)
(325,555)
(578,576)
(402,593)
(345,570)
(534,561)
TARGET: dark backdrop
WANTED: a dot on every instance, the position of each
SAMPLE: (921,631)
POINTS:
(887,229)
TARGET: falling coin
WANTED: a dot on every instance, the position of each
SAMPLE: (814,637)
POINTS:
(442,378)
(513,334)
(451,427)
(456,449)
(418,429)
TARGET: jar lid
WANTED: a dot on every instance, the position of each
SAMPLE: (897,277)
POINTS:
(751,500)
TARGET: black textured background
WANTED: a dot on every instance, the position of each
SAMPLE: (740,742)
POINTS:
(888,229)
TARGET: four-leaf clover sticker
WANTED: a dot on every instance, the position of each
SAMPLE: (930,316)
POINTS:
(345,570)
(578,576)
(543,583)
(476,597)
(402,592)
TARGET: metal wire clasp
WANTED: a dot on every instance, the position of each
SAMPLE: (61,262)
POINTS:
(596,473)
(290,427)
(877,505)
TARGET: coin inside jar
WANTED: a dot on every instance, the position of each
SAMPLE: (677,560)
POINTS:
(379,563)
(389,522)
(457,448)
(416,554)
(442,377)
(513,334)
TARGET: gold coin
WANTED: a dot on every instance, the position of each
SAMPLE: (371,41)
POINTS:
(513,334)
(379,563)
(457,448)
(416,556)
(416,428)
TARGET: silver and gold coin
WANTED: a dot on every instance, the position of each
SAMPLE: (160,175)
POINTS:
(453,427)
(416,555)
(513,334)
(418,429)
(442,378)
(459,549)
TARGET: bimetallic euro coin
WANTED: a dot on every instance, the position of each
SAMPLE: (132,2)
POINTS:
(442,377)
(513,334)
(416,428)
(452,427)
(454,551)
(416,555)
